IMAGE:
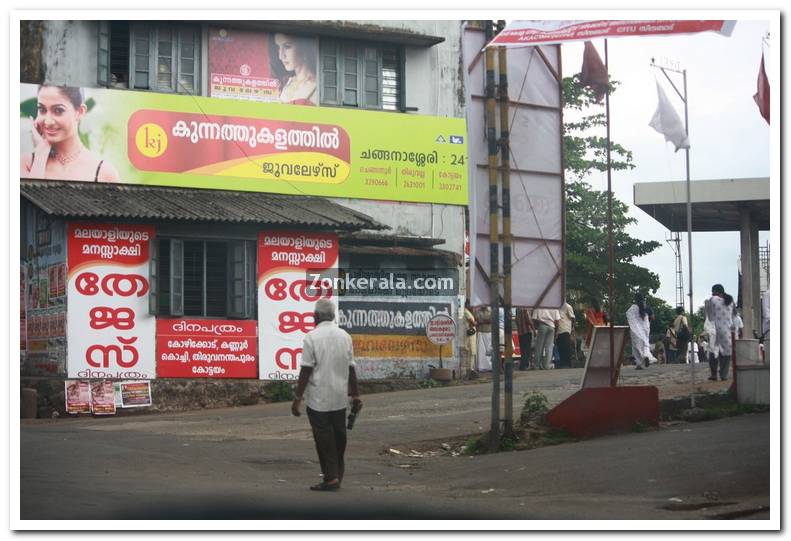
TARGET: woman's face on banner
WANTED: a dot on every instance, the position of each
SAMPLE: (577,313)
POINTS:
(57,119)
(288,51)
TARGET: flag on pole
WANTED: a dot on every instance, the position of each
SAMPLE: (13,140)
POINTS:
(667,122)
(761,97)
(594,72)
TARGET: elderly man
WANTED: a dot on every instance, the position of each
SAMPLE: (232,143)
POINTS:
(327,371)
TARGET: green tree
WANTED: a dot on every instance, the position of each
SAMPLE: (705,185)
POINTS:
(586,211)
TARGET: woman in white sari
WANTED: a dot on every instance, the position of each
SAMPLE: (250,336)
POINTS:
(639,330)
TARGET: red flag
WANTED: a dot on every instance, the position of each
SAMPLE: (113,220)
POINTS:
(594,72)
(762,96)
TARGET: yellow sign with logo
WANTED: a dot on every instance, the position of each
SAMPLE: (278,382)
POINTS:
(186,141)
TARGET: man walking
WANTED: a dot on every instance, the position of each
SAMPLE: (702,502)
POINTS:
(327,372)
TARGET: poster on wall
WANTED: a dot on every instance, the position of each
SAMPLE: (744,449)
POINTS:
(206,348)
(102,397)
(229,144)
(286,297)
(135,394)
(110,332)
(43,308)
(78,396)
(260,66)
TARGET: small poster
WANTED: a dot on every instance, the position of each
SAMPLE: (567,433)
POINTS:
(135,394)
(78,396)
(102,397)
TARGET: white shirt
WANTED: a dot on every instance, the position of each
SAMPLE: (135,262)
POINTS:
(547,316)
(566,318)
(328,350)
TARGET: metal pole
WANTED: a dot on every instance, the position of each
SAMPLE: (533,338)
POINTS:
(684,99)
(506,174)
(494,270)
(610,263)
(689,239)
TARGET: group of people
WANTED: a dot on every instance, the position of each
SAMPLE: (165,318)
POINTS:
(547,337)
(714,345)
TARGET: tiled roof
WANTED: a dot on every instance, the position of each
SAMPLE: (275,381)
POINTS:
(123,201)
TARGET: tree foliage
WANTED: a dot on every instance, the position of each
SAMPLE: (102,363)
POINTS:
(586,212)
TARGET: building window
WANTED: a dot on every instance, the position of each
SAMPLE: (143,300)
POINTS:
(200,278)
(361,75)
(163,57)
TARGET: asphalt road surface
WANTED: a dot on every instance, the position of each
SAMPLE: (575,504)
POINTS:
(256,463)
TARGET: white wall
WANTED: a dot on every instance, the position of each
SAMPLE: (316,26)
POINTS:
(70,53)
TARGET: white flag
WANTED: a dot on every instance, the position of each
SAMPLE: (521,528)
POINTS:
(667,122)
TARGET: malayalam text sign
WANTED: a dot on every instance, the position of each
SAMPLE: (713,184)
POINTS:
(109,330)
(206,348)
(200,142)
(286,297)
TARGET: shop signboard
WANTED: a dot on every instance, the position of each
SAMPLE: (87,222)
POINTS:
(200,142)
(109,330)
(206,348)
(286,297)
(263,66)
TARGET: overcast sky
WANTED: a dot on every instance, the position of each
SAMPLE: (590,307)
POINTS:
(729,138)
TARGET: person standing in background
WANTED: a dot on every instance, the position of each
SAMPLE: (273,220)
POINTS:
(639,327)
(470,329)
(546,320)
(681,331)
(565,329)
(719,310)
(525,330)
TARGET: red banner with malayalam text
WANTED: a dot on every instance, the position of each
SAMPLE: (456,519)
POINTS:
(525,33)
(206,348)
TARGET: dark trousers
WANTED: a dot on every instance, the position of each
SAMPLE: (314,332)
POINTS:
(525,347)
(564,349)
(722,362)
(329,433)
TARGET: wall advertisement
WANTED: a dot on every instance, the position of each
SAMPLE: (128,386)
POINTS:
(206,348)
(200,142)
(260,66)
(286,298)
(109,330)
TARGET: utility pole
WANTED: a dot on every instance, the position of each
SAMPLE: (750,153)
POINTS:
(505,146)
(684,98)
(494,244)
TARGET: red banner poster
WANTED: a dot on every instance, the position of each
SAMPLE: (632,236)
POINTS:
(109,329)
(286,297)
(206,348)
(102,397)
(78,396)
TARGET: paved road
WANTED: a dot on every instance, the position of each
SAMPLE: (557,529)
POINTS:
(256,462)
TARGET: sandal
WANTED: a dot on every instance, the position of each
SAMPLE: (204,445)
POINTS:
(326,487)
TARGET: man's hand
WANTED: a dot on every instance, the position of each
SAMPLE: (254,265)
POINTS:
(295,407)
(357,404)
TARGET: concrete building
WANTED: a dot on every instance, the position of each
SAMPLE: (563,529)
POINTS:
(407,69)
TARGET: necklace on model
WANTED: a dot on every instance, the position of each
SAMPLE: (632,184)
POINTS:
(64,159)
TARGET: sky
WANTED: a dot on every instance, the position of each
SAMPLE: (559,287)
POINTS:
(728,137)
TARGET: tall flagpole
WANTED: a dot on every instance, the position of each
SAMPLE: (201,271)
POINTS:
(684,97)
(610,264)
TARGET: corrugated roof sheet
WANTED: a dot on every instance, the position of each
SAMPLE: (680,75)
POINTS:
(123,201)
